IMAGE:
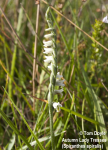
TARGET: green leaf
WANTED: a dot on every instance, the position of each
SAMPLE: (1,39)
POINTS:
(39,144)
(79,115)
(15,129)
(95,100)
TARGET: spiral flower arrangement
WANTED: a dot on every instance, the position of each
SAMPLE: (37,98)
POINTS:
(50,51)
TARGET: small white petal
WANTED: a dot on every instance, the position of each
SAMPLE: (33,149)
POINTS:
(50,67)
(48,43)
(49,29)
(58,76)
(48,35)
(57,106)
(58,92)
(48,50)
(48,59)
(60,83)
(105,19)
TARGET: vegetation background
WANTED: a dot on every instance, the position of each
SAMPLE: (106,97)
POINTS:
(83,62)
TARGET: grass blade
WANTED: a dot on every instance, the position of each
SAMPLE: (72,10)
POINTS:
(15,129)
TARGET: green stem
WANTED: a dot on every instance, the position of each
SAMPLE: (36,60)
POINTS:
(50,100)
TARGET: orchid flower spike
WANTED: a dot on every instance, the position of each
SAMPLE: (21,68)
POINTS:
(105,19)
(57,106)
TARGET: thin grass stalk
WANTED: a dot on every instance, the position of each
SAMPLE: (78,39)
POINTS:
(96,125)
(83,105)
(20,52)
(5,50)
(12,71)
(34,63)
(7,63)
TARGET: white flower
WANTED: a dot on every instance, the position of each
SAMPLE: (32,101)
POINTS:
(58,92)
(48,43)
(48,59)
(49,29)
(105,19)
(50,67)
(48,35)
(58,75)
(57,106)
(48,50)
(60,82)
